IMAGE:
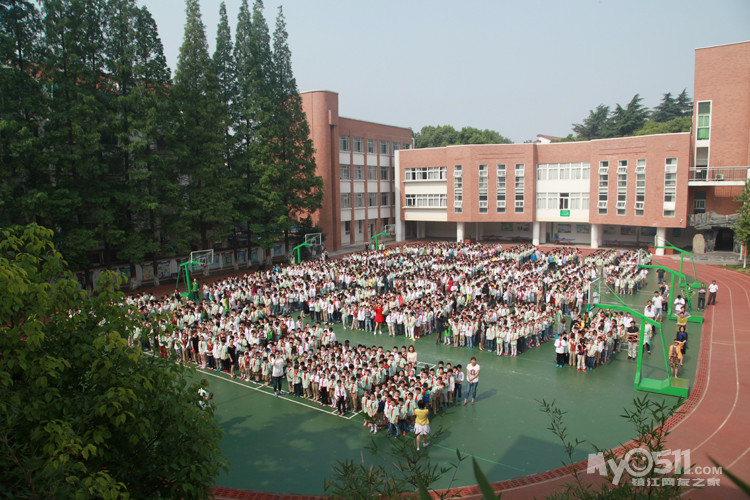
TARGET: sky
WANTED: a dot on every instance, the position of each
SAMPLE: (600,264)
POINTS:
(522,67)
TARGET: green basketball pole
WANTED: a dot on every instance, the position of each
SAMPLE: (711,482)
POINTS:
(186,267)
(298,248)
(670,386)
(377,237)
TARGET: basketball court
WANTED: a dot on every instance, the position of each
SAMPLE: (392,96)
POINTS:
(287,445)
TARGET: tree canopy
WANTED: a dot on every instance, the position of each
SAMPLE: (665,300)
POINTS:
(445,135)
(84,415)
(671,115)
(127,165)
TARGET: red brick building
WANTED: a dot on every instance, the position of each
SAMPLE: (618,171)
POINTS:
(355,160)
(721,140)
(625,190)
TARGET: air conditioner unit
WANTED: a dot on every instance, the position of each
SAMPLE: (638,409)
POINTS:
(719,177)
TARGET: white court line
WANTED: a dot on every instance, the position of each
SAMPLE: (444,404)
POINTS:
(334,412)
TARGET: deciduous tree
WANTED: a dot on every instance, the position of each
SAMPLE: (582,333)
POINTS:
(84,415)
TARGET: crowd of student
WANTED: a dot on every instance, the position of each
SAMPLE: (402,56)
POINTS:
(466,295)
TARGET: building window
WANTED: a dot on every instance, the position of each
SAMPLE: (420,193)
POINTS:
(346,200)
(383,199)
(458,189)
(484,186)
(640,187)
(541,200)
(395,147)
(372,146)
(519,187)
(603,187)
(384,173)
(699,206)
(359,172)
(575,201)
(541,172)
(383,147)
(347,228)
(372,172)
(343,143)
(426,200)
(406,146)
(564,201)
(622,187)
(501,188)
(426,174)
(704,120)
(564,171)
(670,187)
(360,226)
(359,200)
(345,172)
(357,144)
(579,171)
(372,199)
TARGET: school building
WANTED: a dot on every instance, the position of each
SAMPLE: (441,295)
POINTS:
(623,191)
(355,158)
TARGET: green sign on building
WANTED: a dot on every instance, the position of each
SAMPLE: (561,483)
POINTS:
(564,213)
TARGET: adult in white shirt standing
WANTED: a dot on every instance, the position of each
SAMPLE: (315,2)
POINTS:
(712,289)
(472,377)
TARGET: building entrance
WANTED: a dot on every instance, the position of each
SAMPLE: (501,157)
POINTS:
(724,240)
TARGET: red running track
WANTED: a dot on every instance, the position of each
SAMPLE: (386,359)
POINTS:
(713,421)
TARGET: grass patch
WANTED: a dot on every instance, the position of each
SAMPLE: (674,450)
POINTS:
(737,267)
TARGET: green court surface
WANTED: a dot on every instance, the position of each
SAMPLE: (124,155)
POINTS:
(287,445)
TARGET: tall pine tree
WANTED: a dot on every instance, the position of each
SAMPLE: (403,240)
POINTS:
(223,61)
(251,115)
(685,104)
(224,64)
(199,141)
(77,204)
(139,83)
(293,171)
(24,176)
(666,110)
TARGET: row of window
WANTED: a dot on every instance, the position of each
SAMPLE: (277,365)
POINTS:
(385,199)
(426,200)
(562,201)
(458,189)
(556,171)
(562,171)
(426,174)
(357,145)
(361,225)
(500,199)
(357,172)
(670,187)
